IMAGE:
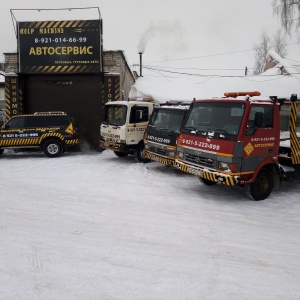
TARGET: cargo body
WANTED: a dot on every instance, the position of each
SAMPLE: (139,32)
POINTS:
(237,141)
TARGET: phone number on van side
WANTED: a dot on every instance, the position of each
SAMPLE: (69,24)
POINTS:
(21,135)
(201,144)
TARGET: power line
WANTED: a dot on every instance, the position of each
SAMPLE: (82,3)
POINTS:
(202,56)
(209,55)
(189,68)
(273,76)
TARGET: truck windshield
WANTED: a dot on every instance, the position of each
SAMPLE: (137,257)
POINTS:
(167,119)
(215,119)
(115,114)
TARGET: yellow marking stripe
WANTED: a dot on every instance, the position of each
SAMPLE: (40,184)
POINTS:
(163,160)
(19,142)
(295,144)
(33,141)
(228,180)
(50,24)
(63,24)
(40,114)
(64,69)
(37,24)
(224,154)
(72,142)
(50,135)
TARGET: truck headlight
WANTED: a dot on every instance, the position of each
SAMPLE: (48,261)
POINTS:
(172,153)
(227,166)
(223,165)
(180,154)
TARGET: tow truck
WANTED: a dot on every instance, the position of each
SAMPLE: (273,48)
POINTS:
(162,131)
(243,140)
(123,127)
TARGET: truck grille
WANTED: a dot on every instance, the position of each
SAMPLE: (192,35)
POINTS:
(157,150)
(200,160)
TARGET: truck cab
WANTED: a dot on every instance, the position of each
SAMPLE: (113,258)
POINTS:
(162,131)
(236,141)
(123,127)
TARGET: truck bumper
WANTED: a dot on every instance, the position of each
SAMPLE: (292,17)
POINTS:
(215,176)
(114,147)
(161,159)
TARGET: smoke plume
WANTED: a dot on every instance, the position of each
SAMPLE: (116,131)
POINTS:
(170,37)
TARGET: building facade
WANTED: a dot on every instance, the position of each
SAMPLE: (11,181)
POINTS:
(81,95)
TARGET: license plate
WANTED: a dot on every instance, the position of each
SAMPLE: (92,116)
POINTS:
(195,172)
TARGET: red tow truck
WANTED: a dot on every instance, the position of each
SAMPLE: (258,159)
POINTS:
(242,139)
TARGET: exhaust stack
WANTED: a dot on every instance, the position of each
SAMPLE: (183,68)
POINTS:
(141,75)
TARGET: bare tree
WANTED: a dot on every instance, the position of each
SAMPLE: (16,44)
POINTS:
(289,12)
(279,43)
(261,51)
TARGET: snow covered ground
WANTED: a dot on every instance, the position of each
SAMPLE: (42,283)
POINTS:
(95,226)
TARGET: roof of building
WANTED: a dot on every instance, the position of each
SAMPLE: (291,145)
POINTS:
(273,82)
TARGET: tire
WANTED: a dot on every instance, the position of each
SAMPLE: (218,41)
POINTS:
(1,151)
(139,154)
(120,154)
(53,148)
(262,187)
(207,181)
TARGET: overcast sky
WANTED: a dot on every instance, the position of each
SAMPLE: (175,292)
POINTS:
(173,33)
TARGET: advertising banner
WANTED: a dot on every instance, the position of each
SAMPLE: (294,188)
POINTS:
(111,88)
(12,97)
(60,46)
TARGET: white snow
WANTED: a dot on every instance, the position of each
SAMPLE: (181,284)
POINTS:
(188,88)
(95,226)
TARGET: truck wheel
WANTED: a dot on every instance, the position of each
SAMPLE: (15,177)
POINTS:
(262,187)
(120,154)
(139,154)
(1,151)
(53,148)
(207,181)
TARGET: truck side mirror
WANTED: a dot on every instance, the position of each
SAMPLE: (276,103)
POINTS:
(138,115)
(256,123)
(294,97)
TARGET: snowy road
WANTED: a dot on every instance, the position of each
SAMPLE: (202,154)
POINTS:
(95,226)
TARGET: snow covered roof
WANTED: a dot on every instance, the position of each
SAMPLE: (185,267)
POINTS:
(270,83)
(290,65)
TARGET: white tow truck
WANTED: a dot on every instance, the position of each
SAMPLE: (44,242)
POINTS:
(123,127)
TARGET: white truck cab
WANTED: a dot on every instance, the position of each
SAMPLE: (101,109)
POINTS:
(123,127)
